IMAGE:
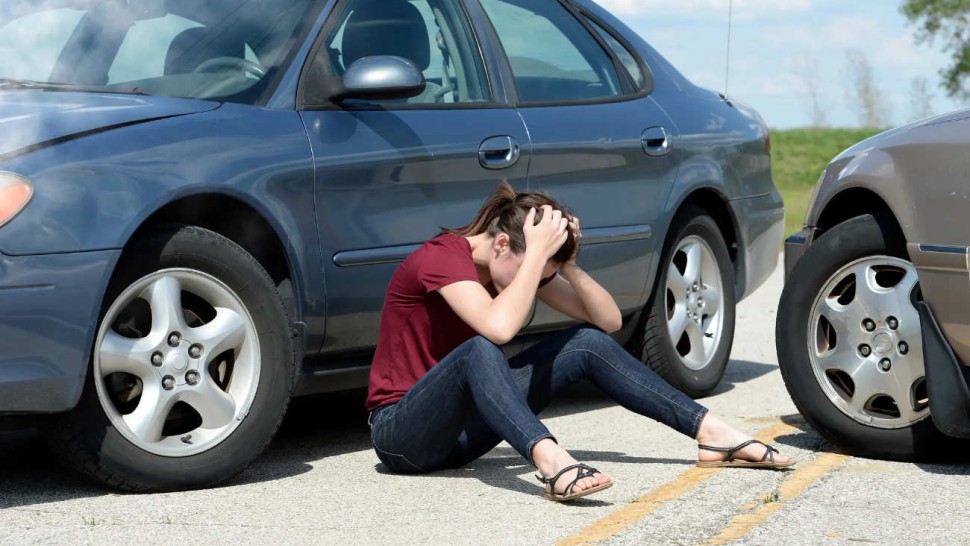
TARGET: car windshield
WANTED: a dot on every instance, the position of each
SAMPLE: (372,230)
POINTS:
(212,49)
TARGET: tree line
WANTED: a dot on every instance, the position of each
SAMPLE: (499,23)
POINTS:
(943,23)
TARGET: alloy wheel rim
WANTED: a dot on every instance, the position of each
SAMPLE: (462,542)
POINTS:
(865,343)
(694,302)
(176,362)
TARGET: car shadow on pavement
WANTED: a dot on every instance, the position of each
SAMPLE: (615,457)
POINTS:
(741,371)
(955,469)
(314,428)
(31,474)
(503,468)
(806,437)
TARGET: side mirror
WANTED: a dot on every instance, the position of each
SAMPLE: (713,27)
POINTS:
(383,77)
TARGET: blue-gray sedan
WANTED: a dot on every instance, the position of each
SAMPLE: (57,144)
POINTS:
(201,203)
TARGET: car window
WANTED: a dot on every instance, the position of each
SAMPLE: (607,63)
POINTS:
(434,34)
(206,50)
(47,32)
(137,59)
(553,57)
(627,58)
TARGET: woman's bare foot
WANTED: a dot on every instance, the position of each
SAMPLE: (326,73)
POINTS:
(714,431)
(550,459)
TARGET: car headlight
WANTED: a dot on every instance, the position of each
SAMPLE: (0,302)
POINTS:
(15,193)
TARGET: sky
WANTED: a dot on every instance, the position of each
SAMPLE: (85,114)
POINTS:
(778,45)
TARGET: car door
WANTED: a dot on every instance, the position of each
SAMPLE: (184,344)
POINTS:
(390,173)
(600,145)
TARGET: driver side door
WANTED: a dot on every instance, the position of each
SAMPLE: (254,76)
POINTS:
(390,173)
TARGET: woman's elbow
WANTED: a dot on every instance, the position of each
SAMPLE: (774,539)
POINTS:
(612,326)
(499,333)
(612,323)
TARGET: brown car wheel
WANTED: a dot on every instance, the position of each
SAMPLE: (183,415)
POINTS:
(849,343)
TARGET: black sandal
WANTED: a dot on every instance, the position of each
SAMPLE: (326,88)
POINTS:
(767,460)
(585,471)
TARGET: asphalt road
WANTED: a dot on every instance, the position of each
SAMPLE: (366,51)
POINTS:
(320,483)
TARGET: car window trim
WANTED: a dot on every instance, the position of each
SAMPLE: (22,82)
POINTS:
(279,71)
(628,87)
(319,41)
(512,89)
(648,79)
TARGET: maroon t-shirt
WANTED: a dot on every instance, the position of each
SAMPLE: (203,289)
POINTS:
(418,327)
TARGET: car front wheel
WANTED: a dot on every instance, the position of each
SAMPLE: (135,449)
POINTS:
(192,367)
(849,343)
(688,327)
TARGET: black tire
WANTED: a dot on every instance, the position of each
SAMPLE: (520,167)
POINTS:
(861,238)
(654,345)
(87,439)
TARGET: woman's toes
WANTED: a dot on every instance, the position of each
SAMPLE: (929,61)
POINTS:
(755,452)
(595,480)
(582,485)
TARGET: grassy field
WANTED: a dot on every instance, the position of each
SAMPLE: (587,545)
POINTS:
(797,159)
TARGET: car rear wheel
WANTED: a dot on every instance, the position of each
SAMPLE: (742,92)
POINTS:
(849,343)
(688,328)
(192,367)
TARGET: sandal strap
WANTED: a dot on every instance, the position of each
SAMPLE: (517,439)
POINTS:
(769,450)
(585,471)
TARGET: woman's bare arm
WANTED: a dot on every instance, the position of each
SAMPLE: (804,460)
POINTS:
(501,318)
(579,296)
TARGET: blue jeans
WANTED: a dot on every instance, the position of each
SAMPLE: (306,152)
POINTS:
(474,398)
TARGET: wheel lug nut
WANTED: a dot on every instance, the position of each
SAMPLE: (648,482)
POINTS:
(168,382)
(892,322)
(869,325)
(693,287)
(885,365)
(195,351)
(192,377)
(157,359)
(174,339)
(865,350)
(903,347)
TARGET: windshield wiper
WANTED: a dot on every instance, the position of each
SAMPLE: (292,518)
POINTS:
(11,83)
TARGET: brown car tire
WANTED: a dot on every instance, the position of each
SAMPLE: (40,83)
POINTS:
(861,237)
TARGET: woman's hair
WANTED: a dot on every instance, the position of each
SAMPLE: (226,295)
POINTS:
(505,212)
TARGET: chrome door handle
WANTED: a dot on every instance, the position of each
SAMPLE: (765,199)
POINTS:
(499,152)
(656,141)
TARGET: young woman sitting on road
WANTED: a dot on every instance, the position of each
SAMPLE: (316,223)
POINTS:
(442,392)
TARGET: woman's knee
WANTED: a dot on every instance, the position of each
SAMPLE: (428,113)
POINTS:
(485,349)
(592,337)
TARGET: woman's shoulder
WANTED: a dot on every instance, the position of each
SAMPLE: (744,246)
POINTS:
(450,241)
(439,261)
(441,248)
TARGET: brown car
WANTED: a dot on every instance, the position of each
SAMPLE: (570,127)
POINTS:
(873,328)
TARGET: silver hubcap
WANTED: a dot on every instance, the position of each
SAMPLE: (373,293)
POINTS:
(865,343)
(176,363)
(694,300)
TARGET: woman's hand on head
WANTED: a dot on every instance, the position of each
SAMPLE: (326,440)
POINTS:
(546,237)
(577,236)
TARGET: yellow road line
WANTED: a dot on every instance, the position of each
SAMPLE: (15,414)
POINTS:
(682,484)
(799,480)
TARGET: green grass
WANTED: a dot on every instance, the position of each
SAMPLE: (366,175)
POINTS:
(797,159)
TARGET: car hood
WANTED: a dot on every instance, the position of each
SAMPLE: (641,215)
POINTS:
(893,136)
(33,119)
